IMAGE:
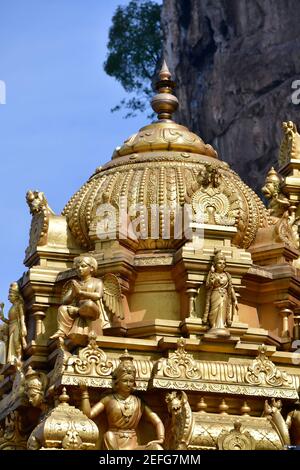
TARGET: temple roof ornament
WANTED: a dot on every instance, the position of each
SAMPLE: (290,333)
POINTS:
(264,372)
(159,166)
(65,427)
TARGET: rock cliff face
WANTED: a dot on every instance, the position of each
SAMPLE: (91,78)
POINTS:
(234,62)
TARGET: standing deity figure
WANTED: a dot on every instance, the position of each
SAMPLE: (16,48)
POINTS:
(3,336)
(83,299)
(220,298)
(124,411)
(17,331)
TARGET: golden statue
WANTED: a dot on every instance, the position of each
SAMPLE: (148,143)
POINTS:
(17,330)
(278,203)
(83,300)
(293,424)
(35,386)
(124,411)
(3,336)
(221,298)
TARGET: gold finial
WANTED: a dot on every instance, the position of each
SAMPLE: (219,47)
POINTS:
(64,397)
(164,73)
(164,103)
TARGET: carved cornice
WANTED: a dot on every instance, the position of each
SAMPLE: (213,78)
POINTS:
(93,365)
(260,378)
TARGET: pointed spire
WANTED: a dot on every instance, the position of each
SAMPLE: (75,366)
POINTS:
(164,103)
(164,73)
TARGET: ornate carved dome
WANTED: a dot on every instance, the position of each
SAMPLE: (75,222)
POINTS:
(165,164)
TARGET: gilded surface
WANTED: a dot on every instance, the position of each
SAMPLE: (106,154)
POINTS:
(264,372)
(197,430)
(260,378)
(17,330)
(93,364)
(124,411)
(40,211)
(221,301)
(87,303)
(290,145)
(236,439)
(164,168)
(17,395)
(235,203)
(179,365)
(65,427)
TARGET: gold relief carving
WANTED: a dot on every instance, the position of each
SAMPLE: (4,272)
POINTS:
(261,378)
(13,436)
(164,136)
(92,360)
(17,394)
(290,145)
(180,364)
(40,211)
(253,213)
(262,371)
(236,439)
(95,382)
(213,200)
(64,427)
(17,330)
(167,180)
(153,260)
(197,430)
(93,364)
(201,386)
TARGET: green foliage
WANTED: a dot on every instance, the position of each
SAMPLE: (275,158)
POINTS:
(135,48)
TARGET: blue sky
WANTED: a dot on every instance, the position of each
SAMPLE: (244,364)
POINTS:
(56,126)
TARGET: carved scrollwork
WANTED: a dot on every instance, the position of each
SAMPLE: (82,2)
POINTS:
(92,360)
(212,200)
(180,364)
(262,371)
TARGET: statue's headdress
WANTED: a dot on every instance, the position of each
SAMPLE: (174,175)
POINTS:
(272,177)
(219,255)
(125,367)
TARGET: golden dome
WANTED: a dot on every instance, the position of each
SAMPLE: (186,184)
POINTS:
(163,165)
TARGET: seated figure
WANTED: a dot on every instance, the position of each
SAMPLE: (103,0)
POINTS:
(83,300)
(123,411)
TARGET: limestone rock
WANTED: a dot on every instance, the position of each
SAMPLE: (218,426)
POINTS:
(234,62)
